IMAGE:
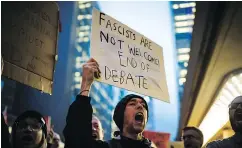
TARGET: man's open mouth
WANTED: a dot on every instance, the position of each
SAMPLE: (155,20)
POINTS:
(27,138)
(139,117)
(188,145)
(94,136)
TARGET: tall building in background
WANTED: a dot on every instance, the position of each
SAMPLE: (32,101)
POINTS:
(183,18)
(104,97)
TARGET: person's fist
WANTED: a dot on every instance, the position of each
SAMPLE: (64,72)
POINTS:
(90,70)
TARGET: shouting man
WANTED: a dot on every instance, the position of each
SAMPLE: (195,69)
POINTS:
(130,115)
(97,129)
(235,117)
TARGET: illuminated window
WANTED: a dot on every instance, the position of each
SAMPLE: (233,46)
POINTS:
(182,81)
(79,40)
(183,50)
(78,86)
(88,16)
(104,106)
(185,64)
(193,9)
(81,34)
(77,74)
(78,65)
(83,28)
(86,33)
(82,6)
(184,17)
(86,39)
(88,27)
(184,57)
(78,59)
(184,23)
(97,85)
(78,48)
(183,73)
(77,79)
(88,5)
(193,4)
(80,17)
(175,6)
(187,5)
(95,97)
(184,30)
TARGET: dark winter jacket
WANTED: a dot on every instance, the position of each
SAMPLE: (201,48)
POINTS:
(4,134)
(232,142)
(78,129)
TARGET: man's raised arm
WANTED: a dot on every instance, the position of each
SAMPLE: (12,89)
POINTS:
(78,129)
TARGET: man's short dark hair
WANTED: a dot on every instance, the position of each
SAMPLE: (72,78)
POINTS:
(195,129)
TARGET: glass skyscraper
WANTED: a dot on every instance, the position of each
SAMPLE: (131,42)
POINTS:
(104,96)
(183,18)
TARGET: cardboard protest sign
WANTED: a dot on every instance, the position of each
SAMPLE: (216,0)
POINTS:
(161,140)
(29,42)
(126,58)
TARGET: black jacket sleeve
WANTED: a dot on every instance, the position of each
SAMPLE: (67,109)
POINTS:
(4,133)
(212,145)
(78,129)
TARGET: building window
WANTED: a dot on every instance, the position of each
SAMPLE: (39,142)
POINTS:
(183,50)
(183,73)
(184,30)
(182,81)
(184,17)
(184,23)
(183,57)
(187,5)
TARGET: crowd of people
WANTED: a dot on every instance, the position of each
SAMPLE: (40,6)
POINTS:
(83,129)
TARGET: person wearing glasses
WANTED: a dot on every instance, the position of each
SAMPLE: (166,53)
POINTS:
(235,117)
(192,137)
(29,131)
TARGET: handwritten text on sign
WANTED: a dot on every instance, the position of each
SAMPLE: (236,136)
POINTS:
(127,59)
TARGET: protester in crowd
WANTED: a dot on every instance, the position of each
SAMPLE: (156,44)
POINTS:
(56,141)
(97,129)
(235,117)
(192,137)
(130,115)
(29,131)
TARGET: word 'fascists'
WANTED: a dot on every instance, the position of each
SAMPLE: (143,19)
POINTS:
(113,26)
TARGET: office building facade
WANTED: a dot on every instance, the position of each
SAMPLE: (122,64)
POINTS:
(183,13)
